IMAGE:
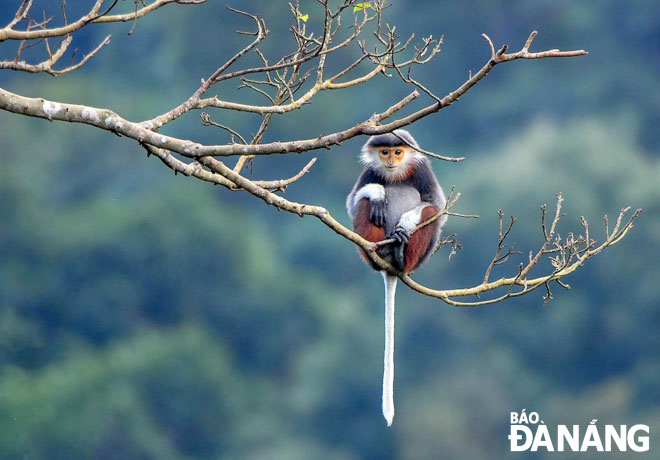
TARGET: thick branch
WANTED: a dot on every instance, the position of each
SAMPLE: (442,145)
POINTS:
(196,170)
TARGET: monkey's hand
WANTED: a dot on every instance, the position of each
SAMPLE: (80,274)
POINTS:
(377,214)
(400,234)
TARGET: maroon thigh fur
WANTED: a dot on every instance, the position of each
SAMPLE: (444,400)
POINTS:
(363,226)
(420,241)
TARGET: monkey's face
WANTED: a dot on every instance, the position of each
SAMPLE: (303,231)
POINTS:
(395,161)
(391,157)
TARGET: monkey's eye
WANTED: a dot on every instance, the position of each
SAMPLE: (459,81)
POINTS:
(398,152)
(384,152)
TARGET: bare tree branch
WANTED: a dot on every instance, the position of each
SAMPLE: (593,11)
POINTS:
(368,127)
(286,84)
(572,254)
(47,65)
(9,33)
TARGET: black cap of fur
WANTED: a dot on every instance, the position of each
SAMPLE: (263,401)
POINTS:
(398,137)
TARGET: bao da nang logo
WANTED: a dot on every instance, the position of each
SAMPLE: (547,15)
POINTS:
(529,433)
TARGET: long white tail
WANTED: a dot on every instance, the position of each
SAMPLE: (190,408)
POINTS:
(388,373)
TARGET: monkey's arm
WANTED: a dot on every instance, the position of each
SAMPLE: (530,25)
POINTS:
(375,193)
(369,186)
(411,219)
(363,226)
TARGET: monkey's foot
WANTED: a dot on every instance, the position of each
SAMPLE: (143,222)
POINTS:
(400,234)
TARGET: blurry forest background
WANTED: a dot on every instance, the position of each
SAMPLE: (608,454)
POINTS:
(147,315)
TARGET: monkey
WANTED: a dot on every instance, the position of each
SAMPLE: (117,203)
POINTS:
(396,191)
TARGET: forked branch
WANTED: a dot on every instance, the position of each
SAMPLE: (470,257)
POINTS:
(565,256)
(37,32)
(95,14)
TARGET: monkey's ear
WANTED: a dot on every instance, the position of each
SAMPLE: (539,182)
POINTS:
(368,155)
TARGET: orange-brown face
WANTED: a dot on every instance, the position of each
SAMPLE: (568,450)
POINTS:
(392,157)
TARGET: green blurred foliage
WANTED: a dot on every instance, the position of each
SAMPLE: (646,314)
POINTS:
(146,315)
